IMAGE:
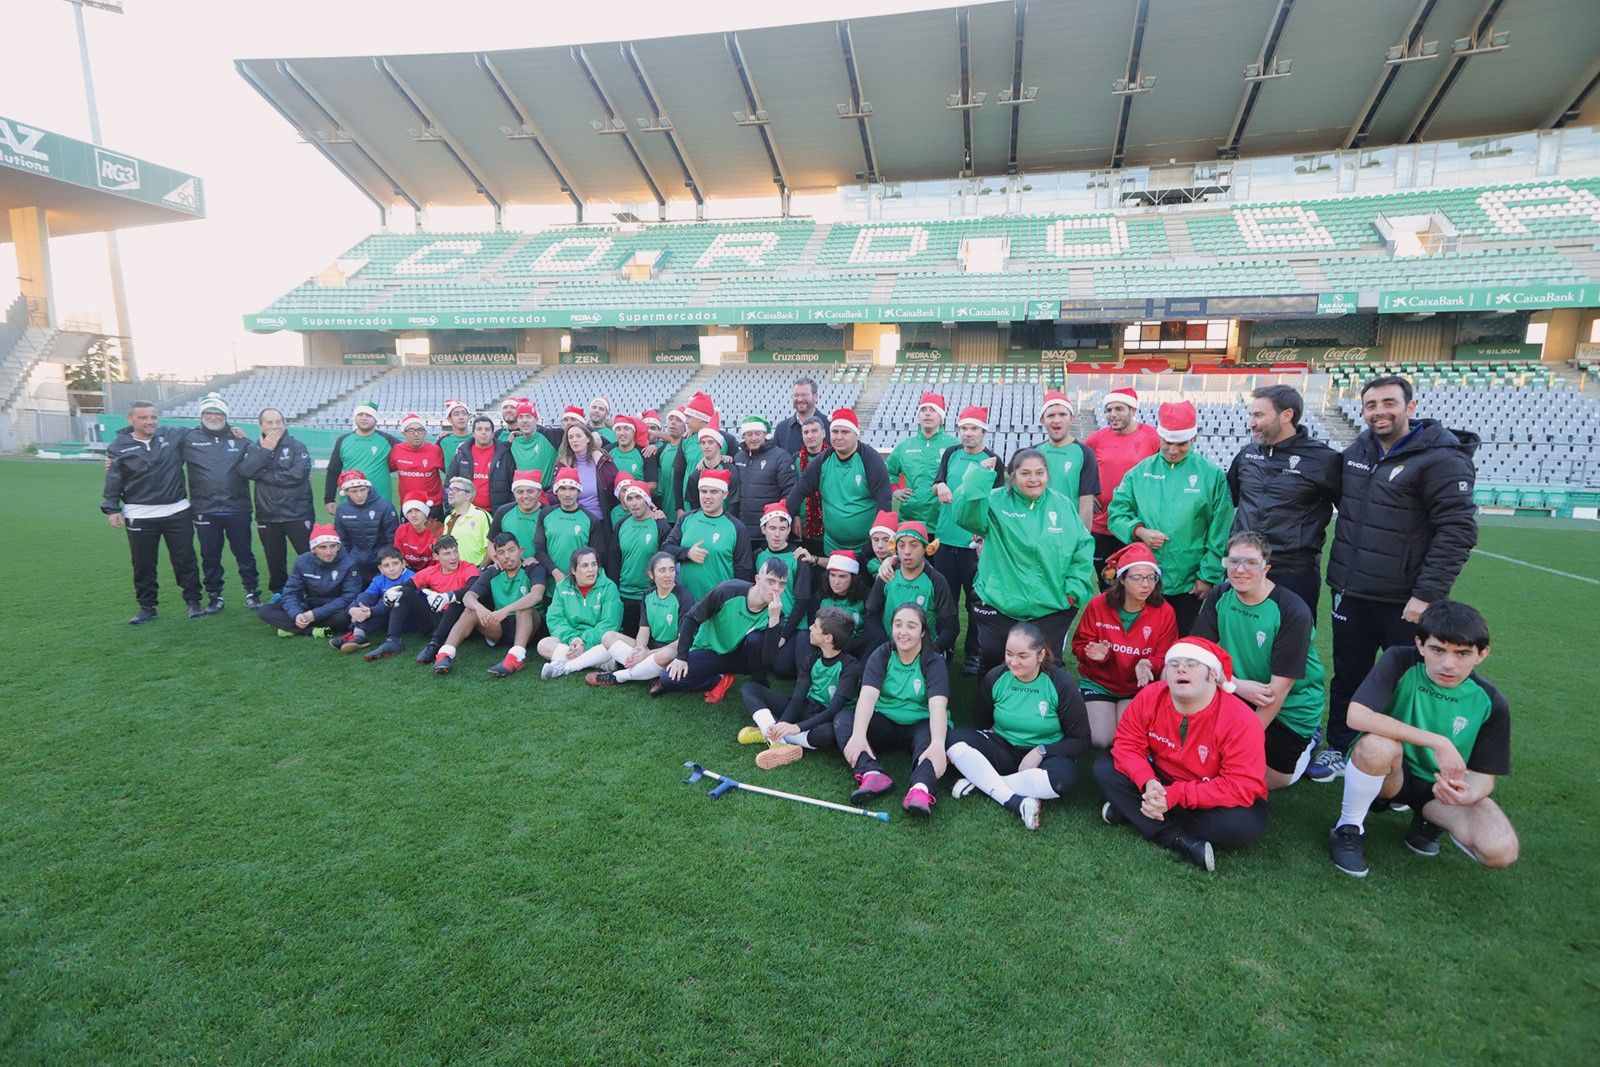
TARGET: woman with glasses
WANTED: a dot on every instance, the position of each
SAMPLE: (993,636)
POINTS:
(1122,638)
(1269,632)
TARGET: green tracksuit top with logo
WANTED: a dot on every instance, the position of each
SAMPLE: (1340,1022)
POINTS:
(1037,557)
(1473,715)
(902,689)
(497,588)
(563,532)
(448,445)
(853,608)
(729,625)
(1189,501)
(1025,712)
(663,615)
(948,530)
(917,459)
(719,537)
(637,541)
(534,452)
(370,456)
(919,591)
(523,525)
(573,614)
(630,462)
(788,590)
(1274,637)
(848,507)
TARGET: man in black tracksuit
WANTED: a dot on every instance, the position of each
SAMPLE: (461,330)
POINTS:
(1284,484)
(145,494)
(1405,529)
(765,471)
(280,466)
(220,496)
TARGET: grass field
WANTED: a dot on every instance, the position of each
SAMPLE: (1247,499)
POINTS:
(221,846)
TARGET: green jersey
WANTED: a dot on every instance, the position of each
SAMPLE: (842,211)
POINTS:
(1274,637)
(498,589)
(1026,713)
(605,433)
(917,460)
(794,572)
(956,463)
(637,541)
(854,608)
(663,615)
(667,491)
(724,618)
(919,591)
(722,538)
(1073,470)
(630,462)
(848,506)
(586,616)
(825,675)
(904,689)
(448,445)
(1473,715)
(523,525)
(560,532)
(370,456)
(534,452)
(1190,502)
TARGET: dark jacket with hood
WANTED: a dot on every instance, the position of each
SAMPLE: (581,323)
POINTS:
(1406,519)
(765,476)
(144,472)
(1286,492)
(324,589)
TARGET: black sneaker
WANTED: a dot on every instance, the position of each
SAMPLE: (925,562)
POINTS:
(972,667)
(195,610)
(391,647)
(1111,815)
(429,650)
(1197,851)
(215,607)
(1347,845)
(252,600)
(1423,837)
(1383,804)
(145,615)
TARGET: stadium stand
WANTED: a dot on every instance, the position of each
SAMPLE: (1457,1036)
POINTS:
(293,390)
(630,389)
(425,389)
(740,391)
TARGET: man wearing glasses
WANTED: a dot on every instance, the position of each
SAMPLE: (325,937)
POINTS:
(1268,631)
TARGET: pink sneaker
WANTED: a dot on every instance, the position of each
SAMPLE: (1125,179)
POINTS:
(871,786)
(918,801)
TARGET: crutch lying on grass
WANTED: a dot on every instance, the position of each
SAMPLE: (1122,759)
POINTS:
(726,784)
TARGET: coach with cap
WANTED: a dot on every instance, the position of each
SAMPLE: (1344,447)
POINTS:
(145,496)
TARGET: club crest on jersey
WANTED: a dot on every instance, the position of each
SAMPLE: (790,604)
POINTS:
(1054,521)
(371,515)
(1204,752)
(916,685)
(1261,638)
(922,601)
(858,479)
(1044,708)
(1147,633)
(716,537)
(1458,725)
(374,450)
(1294,461)
(336,578)
(1194,479)
(1396,472)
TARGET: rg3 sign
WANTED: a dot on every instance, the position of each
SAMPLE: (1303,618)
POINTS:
(119,174)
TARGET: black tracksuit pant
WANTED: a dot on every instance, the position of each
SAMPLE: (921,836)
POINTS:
(275,536)
(1223,827)
(144,544)
(882,733)
(213,528)
(1362,629)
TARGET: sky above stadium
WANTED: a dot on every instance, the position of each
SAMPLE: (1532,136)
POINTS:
(277,211)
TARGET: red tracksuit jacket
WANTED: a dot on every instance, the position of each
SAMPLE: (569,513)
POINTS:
(1152,633)
(1218,761)
(1117,454)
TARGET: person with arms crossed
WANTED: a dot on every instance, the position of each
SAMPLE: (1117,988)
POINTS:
(145,495)
(1071,463)
(1122,639)
(280,466)
(1434,735)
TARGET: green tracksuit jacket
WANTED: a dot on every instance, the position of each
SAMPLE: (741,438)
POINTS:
(1190,503)
(1037,558)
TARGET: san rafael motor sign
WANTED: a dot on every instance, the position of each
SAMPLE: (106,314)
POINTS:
(1510,298)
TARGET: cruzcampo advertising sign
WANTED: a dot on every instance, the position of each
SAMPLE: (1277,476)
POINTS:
(1315,354)
(50,155)
(822,356)
(1506,298)
(1336,303)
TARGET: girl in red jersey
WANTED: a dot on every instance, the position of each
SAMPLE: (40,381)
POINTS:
(1121,639)
(416,536)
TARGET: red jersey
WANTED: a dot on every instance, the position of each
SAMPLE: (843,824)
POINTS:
(419,468)
(436,580)
(1215,758)
(481,460)
(1149,637)
(415,546)
(1117,454)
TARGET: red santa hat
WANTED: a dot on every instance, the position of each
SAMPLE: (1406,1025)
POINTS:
(416,505)
(1125,395)
(568,476)
(847,418)
(934,401)
(1176,423)
(775,510)
(573,411)
(711,432)
(324,534)
(619,421)
(525,407)
(844,560)
(701,407)
(720,477)
(1207,652)
(451,405)
(973,415)
(680,415)
(1055,399)
(625,485)
(885,522)
(412,419)
(510,402)
(1128,556)
(527,480)
(651,418)
(352,478)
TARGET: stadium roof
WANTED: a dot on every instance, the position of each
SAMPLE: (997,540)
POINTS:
(85,188)
(934,95)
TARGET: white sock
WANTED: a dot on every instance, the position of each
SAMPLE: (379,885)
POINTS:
(447,650)
(1360,790)
(620,651)
(803,739)
(764,719)
(519,653)
(589,657)
(645,670)
(1034,782)
(979,771)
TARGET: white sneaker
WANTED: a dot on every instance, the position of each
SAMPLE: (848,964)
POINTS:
(553,669)
(1029,810)
(962,787)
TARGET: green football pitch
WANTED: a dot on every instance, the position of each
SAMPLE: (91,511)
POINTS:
(222,846)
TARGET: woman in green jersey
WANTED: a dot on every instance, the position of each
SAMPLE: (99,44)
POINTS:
(642,657)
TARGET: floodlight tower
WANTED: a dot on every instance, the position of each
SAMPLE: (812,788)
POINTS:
(119,296)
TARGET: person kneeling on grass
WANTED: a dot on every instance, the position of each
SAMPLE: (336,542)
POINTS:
(1028,726)
(321,586)
(711,642)
(585,606)
(828,677)
(904,702)
(1434,735)
(1187,767)
(642,657)
(511,588)
(430,603)
(1124,634)
(370,612)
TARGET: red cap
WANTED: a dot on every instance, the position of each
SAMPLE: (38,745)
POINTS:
(568,476)
(323,533)
(1176,422)
(973,415)
(932,400)
(1055,399)
(887,521)
(524,407)
(777,507)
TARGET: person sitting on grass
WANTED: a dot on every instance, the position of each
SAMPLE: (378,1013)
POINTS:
(1435,735)
(370,612)
(1122,638)
(414,539)
(511,588)
(1267,629)
(1187,767)
(585,606)
(906,578)
(642,657)
(828,677)
(318,593)
(844,588)
(1028,726)
(711,642)
(430,603)
(904,702)
(365,523)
